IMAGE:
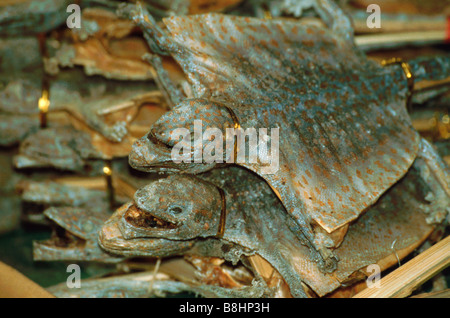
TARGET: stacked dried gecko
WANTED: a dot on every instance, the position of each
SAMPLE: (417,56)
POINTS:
(356,184)
(354,176)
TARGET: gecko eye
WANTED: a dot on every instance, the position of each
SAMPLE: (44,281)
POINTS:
(151,136)
(175,210)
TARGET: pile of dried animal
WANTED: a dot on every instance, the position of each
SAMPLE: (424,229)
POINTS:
(220,148)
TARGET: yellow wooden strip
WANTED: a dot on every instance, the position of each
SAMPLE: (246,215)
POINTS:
(439,294)
(15,285)
(404,280)
(263,267)
(404,37)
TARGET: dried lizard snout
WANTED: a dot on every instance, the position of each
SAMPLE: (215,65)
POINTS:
(112,239)
(185,137)
(178,207)
(149,156)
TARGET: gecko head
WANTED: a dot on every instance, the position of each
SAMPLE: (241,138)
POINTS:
(112,240)
(190,138)
(179,207)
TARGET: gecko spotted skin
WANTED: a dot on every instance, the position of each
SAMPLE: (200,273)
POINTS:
(344,133)
(185,210)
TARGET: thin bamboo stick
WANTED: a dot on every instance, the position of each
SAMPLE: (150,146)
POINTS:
(400,23)
(438,294)
(263,267)
(395,39)
(404,280)
(99,183)
(14,284)
(150,97)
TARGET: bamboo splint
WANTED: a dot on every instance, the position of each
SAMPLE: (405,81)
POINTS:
(263,267)
(99,183)
(14,284)
(371,41)
(404,280)
(438,294)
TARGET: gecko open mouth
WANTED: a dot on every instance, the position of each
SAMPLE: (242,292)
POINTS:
(61,238)
(143,219)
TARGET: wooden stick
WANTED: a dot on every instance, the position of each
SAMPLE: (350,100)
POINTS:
(404,280)
(15,285)
(426,85)
(121,186)
(97,183)
(394,39)
(124,187)
(398,23)
(263,267)
(438,294)
(150,97)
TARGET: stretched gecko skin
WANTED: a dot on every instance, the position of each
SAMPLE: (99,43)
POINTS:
(256,221)
(345,136)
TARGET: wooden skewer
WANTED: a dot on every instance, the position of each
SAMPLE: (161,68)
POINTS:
(404,280)
(394,39)
(90,183)
(425,85)
(401,23)
(99,183)
(123,187)
(263,267)
(150,97)
(14,284)
(439,294)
